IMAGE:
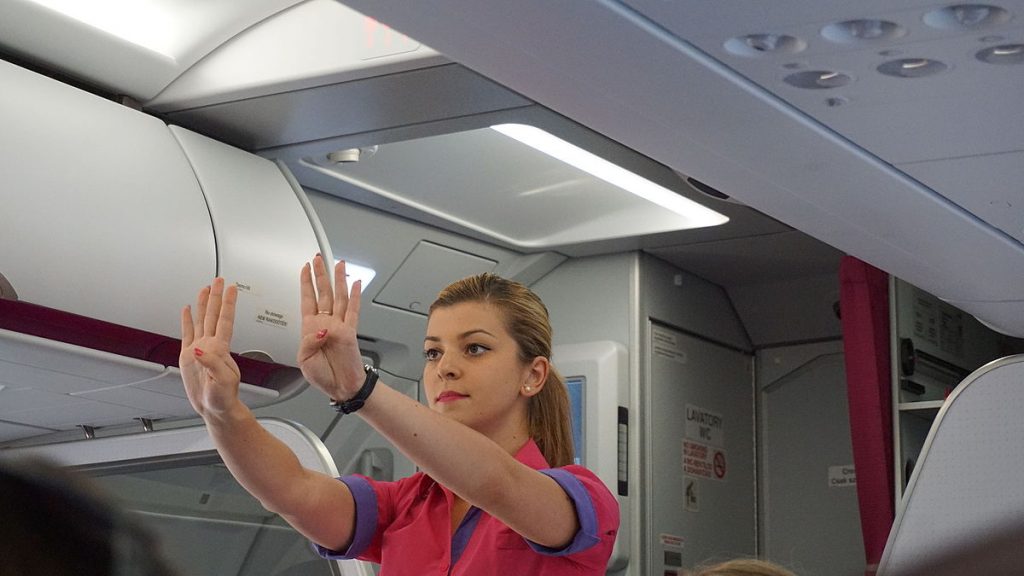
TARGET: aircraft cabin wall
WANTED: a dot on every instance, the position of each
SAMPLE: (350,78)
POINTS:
(693,347)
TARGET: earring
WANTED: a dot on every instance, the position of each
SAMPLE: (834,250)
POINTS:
(529,388)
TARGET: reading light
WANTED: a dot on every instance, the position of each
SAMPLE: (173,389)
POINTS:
(144,24)
(697,215)
(1004,54)
(355,272)
(818,79)
(911,67)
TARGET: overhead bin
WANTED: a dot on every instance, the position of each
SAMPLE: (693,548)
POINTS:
(111,222)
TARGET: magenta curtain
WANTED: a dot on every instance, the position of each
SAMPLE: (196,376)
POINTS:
(864,305)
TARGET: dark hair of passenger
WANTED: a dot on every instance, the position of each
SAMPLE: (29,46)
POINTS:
(56,523)
(526,319)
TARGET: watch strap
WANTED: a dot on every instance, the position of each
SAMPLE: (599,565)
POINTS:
(356,402)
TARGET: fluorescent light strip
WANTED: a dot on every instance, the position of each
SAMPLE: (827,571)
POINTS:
(356,272)
(696,214)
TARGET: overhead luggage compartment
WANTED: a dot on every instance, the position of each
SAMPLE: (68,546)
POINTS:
(111,222)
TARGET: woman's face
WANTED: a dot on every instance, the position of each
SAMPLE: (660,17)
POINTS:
(473,372)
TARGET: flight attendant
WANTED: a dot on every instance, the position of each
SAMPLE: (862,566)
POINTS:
(497,491)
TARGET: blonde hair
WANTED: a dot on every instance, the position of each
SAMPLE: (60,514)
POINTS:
(526,319)
(744,567)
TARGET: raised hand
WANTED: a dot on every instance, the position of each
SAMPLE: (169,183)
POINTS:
(329,354)
(210,373)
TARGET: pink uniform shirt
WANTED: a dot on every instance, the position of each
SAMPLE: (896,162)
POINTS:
(405,526)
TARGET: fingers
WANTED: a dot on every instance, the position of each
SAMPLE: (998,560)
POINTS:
(352,314)
(188,332)
(324,298)
(213,308)
(309,345)
(307,294)
(201,303)
(341,289)
(221,367)
(226,319)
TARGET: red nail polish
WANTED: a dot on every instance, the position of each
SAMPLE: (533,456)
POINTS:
(197,351)
(321,334)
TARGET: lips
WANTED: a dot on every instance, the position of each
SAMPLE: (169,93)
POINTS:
(449,396)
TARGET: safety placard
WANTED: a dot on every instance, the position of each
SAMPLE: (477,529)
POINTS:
(703,461)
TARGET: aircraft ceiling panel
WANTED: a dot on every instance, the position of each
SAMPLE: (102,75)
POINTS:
(990,186)
(128,47)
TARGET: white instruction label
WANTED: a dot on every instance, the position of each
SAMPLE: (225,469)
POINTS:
(842,476)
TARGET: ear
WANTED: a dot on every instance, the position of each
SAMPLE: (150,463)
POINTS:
(535,376)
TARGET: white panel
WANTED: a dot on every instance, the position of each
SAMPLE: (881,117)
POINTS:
(102,215)
(59,367)
(667,99)
(15,400)
(425,272)
(170,445)
(11,431)
(527,198)
(128,51)
(990,186)
(810,518)
(80,411)
(699,489)
(134,397)
(314,43)
(964,488)
(264,236)
(604,366)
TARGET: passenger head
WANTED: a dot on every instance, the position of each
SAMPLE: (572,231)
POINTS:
(56,524)
(526,318)
(743,567)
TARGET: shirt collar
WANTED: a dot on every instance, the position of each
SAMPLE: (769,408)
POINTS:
(530,455)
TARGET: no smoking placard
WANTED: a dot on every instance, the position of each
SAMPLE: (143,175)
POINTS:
(703,461)
(718,463)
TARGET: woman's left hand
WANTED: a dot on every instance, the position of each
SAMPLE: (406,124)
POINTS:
(329,355)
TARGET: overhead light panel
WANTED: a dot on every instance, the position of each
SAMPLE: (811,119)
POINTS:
(143,23)
(354,272)
(696,215)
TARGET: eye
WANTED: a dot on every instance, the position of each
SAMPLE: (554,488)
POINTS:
(476,349)
(431,354)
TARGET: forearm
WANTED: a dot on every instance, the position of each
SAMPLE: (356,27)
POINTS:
(261,463)
(450,452)
(318,506)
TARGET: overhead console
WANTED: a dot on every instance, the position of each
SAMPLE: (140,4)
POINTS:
(111,218)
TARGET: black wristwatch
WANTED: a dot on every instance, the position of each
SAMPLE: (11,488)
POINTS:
(356,402)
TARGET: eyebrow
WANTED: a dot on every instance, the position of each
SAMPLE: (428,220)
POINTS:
(462,336)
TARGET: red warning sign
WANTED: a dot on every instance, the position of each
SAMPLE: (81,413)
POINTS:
(703,461)
(719,464)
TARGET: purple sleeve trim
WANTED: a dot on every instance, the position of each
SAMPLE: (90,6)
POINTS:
(585,513)
(366,520)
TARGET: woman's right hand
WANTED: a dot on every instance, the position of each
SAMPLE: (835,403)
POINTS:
(329,355)
(210,374)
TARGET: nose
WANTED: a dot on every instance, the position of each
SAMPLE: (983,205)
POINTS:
(447,367)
